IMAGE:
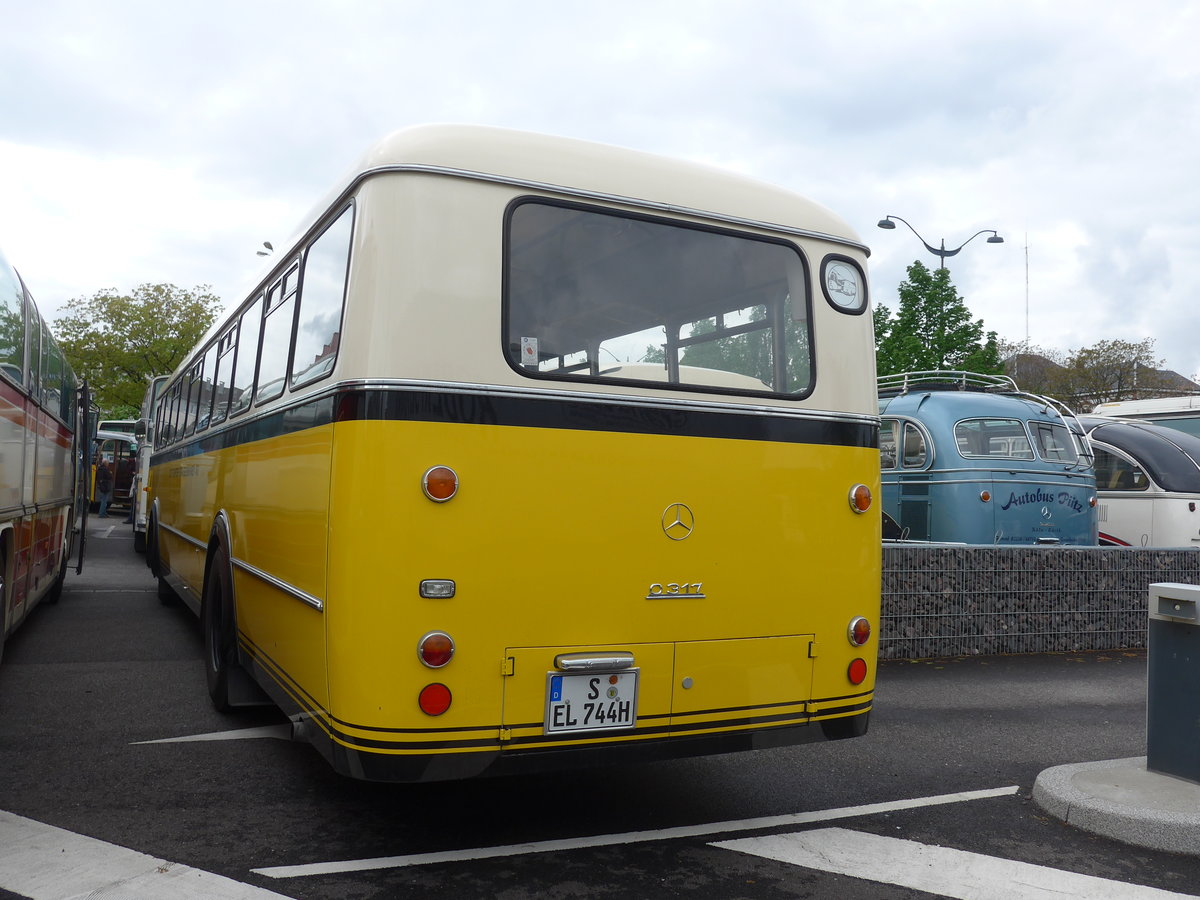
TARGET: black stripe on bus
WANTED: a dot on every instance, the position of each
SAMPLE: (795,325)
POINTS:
(720,727)
(674,729)
(806,710)
(529,411)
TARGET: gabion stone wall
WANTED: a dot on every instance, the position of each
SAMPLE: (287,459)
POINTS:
(943,601)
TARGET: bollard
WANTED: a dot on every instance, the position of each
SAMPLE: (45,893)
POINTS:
(1173,681)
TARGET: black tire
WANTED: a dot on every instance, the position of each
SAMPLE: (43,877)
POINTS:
(153,563)
(139,541)
(3,593)
(55,592)
(166,596)
(216,617)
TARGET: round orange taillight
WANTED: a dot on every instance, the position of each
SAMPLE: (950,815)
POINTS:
(440,483)
(860,498)
(434,699)
(857,671)
(859,631)
(1092,502)
(435,649)
(985,496)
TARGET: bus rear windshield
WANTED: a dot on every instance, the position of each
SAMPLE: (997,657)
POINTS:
(601,296)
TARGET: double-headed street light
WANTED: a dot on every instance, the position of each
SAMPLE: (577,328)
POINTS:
(941,252)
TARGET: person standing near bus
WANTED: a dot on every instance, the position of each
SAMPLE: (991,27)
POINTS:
(104,488)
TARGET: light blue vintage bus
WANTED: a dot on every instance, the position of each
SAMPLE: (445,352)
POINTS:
(969,458)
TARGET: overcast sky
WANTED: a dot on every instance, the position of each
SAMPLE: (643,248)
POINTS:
(147,142)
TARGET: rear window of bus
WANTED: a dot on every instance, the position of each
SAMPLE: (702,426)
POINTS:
(1005,438)
(599,296)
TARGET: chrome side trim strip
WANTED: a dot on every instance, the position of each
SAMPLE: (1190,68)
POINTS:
(308,599)
(621,399)
(183,536)
(965,477)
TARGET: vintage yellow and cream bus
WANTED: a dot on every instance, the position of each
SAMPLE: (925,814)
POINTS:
(43,449)
(529,453)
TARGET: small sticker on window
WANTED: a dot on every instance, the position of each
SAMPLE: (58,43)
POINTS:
(529,351)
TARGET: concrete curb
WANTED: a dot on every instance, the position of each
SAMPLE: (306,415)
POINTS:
(1122,800)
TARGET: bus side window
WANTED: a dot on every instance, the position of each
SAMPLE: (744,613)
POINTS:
(35,352)
(277,337)
(12,324)
(221,378)
(169,420)
(887,443)
(207,376)
(191,399)
(322,290)
(915,453)
(249,327)
(1113,473)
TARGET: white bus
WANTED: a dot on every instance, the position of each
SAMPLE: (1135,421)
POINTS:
(1181,413)
(120,426)
(144,431)
(1147,483)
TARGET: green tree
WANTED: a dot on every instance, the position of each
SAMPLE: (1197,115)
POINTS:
(933,329)
(1114,370)
(1104,371)
(118,342)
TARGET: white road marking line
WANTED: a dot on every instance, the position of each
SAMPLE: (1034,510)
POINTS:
(632,837)
(282,732)
(77,591)
(937,870)
(47,863)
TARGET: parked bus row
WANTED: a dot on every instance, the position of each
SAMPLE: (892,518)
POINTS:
(497,467)
(970,458)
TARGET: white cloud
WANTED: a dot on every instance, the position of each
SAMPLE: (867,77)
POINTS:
(146,144)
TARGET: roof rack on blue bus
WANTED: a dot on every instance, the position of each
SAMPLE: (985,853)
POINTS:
(944,380)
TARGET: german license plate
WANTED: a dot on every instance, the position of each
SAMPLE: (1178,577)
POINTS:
(591,702)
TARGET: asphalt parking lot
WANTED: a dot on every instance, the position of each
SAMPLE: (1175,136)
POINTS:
(114,758)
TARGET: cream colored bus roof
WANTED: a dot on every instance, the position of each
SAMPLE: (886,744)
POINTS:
(574,167)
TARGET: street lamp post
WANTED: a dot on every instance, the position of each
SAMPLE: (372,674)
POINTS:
(941,252)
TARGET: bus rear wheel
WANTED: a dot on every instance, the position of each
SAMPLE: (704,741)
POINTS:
(217,622)
(166,596)
(3,594)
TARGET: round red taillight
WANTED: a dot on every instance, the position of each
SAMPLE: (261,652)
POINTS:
(435,649)
(985,496)
(857,672)
(860,498)
(859,631)
(440,483)
(434,699)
